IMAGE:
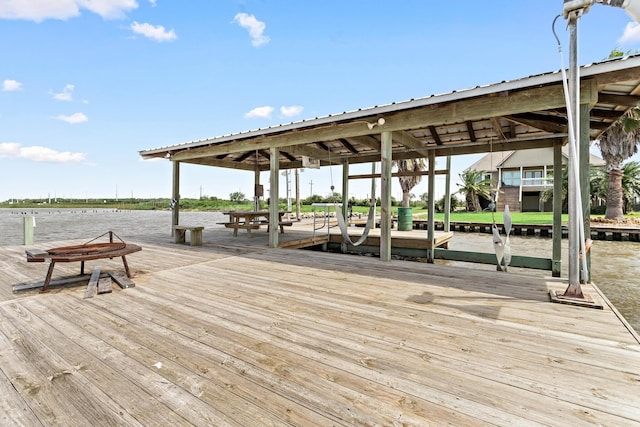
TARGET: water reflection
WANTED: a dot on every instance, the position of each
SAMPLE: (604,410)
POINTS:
(615,265)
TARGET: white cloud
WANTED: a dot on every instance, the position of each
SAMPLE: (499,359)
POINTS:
(631,34)
(291,110)
(73,119)
(157,33)
(39,154)
(254,27)
(65,95)
(260,112)
(153,3)
(11,85)
(39,10)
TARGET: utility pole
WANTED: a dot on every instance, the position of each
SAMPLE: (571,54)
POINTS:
(311,185)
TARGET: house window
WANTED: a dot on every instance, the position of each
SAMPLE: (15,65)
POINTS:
(511,178)
(533,177)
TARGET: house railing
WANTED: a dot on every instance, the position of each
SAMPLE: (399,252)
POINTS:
(537,182)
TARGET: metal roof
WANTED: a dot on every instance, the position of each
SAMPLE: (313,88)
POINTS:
(510,115)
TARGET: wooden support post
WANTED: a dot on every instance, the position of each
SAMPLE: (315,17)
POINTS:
(432,206)
(583,143)
(256,187)
(175,196)
(556,255)
(274,190)
(345,198)
(385,196)
(447,197)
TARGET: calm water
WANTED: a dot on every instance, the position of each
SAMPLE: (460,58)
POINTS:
(615,265)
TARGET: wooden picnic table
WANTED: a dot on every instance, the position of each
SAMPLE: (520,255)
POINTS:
(252,220)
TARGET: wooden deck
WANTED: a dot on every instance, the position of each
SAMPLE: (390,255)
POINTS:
(234,333)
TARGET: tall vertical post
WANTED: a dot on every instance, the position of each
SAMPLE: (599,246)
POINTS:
(385,196)
(297,194)
(345,188)
(28,224)
(345,197)
(256,189)
(556,252)
(432,207)
(585,189)
(175,196)
(447,197)
(274,190)
(574,88)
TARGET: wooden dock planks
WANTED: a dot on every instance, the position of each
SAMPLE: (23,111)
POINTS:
(243,335)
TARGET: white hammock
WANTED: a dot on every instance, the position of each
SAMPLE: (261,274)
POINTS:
(343,224)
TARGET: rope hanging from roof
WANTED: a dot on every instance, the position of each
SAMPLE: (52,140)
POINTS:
(342,223)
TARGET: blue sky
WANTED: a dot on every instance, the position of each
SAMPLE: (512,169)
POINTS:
(85,85)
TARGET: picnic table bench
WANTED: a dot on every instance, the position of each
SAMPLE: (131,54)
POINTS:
(252,220)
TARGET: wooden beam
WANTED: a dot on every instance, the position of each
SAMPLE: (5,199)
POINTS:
(625,100)
(244,156)
(546,123)
(397,174)
(534,99)
(490,258)
(495,121)
(264,154)
(472,134)
(288,156)
(322,146)
(408,140)
(367,140)
(348,146)
(309,151)
(434,135)
(230,164)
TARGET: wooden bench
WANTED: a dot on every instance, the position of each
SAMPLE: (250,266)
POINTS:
(195,234)
(281,224)
(237,225)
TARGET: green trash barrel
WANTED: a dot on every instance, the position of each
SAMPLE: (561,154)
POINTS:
(405,219)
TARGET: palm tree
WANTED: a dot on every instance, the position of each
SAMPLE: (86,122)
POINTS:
(630,184)
(474,185)
(597,182)
(617,144)
(409,181)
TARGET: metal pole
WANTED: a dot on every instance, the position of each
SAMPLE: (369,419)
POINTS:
(574,91)
(556,257)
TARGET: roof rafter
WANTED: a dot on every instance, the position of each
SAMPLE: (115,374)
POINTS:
(410,141)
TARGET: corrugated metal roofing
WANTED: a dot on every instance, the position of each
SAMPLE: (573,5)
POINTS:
(522,113)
